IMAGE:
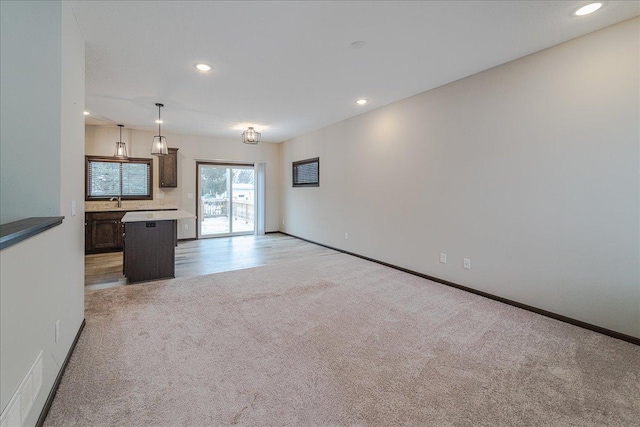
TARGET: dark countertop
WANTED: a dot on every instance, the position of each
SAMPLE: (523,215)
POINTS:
(17,231)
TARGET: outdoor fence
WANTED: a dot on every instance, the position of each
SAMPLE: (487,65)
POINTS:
(220,207)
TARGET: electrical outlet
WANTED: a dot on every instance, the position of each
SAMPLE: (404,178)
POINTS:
(443,258)
(57,330)
(186,226)
(160,196)
(190,196)
(346,236)
(74,211)
(283,222)
(466,263)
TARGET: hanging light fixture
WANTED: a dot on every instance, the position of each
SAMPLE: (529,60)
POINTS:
(121,148)
(250,136)
(159,147)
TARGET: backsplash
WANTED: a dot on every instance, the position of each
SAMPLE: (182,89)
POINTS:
(130,205)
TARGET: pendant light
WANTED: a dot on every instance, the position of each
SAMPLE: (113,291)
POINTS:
(250,136)
(159,147)
(121,148)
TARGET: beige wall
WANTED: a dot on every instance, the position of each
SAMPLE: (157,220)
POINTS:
(530,169)
(100,141)
(29,91)
(42,278)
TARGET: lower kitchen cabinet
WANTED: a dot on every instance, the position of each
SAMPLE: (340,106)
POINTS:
(103,231)
(150,250)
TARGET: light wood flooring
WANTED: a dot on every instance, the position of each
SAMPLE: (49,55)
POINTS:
(206,256)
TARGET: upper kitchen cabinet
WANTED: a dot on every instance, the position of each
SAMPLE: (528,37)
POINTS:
(169,169)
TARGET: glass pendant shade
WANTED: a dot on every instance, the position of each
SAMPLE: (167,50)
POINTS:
(121,147)
(121,150)
(159,146)
(250,136)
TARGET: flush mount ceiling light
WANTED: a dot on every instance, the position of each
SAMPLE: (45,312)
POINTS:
(357,44)
(86,113)
(159,146)
(590,8)
(121,148)
(250,136)
(203,67)
(159,121)
(362,101)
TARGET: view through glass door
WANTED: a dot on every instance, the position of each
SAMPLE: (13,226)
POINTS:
(226,202)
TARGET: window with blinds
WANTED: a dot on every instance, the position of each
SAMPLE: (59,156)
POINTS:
(129,179)
(306,173)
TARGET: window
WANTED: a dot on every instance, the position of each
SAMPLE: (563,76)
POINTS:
(107,177)
(306,173)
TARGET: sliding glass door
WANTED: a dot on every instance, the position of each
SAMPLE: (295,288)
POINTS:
(226,200)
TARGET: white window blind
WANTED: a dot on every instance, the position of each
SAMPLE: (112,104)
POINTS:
(118,179)
(306,173)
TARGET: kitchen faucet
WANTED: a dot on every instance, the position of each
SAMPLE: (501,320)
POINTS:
(119,199)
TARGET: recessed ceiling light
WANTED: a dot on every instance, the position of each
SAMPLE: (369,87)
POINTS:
(590,8)
(362,101)
(159,121)
(86,113)
(358,44)
(203,67)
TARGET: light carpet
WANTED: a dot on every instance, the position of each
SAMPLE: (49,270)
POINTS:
(336,341)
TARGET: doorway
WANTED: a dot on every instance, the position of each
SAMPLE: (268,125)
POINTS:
(226,199)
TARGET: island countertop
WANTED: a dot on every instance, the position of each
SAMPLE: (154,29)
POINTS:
(139,216)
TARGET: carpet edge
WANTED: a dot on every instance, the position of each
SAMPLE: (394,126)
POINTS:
(56,383)
(575,322)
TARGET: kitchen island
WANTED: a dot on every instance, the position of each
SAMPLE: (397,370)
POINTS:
(150,239)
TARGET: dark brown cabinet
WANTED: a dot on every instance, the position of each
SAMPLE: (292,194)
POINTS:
(103,231)
(169,169)
(150,250)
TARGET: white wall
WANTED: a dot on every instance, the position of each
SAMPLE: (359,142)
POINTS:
(530,169)
(30,91)
(100,141)
(42,278)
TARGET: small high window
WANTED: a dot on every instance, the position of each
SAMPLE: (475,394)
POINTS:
(130,179)
(306,173)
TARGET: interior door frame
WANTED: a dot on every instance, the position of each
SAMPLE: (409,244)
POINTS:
(229,164)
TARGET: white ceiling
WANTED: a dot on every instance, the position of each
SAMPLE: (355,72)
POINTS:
(287,67)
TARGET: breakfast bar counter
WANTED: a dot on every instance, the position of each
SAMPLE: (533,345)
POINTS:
(150,239)
(164,215)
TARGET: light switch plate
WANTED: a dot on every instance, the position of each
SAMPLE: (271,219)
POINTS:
(443,258)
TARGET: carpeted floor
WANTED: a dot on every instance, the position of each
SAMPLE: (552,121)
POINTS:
(336,341)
